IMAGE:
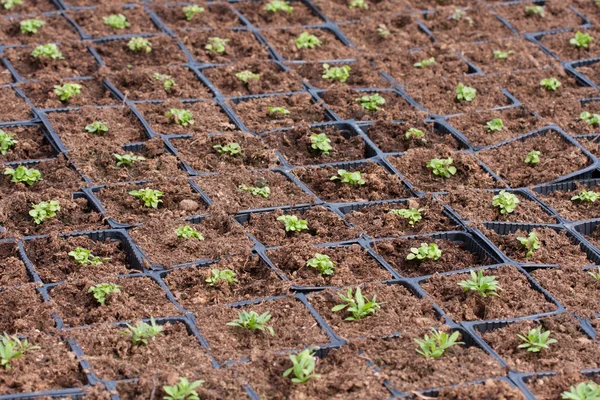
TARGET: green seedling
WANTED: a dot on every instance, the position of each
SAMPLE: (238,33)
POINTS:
(23,174)
(322,263)
(278,110)
(180,116)
(97,127)
(139,45)
(11,348)
(188,232)
(336,73)
(590,119)
(253,321)
(303,366)
(586,196)
(442,167)
(217,44)
(102,290)
(257,191)
(360,307)
(191,11)
(44,210)
(424,252)
(49,50)
(150,197)
(465,93)
(167,80)
(10,4)
(358,4)
(551,84)
(533,157)
(85,257)
(246,76)
(583,391)
(531,11)
(142,332)
(458,14)
(232,149)
(413,215)
(307,41)
(7,141)
(278,5)
(293,223)
(536,340)
(226,275)
(67,91)
(531,243)
(372,102)
(31,26)
(595,274)
(505,201)
(581,40)
(435,345)
(484,285)
(321,143)
(383,31)
(503,55)
(495,125)
(184,390)
(126,160)
(351,178)
(425,63)
(116,21)
(414,133)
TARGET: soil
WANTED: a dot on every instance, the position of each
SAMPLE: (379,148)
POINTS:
(93,93)
(331,48)
(32,143)
(566,111)
(557,14)
(12,270)
(90,3)
(5,76)
(215,15)
(362,74)
(593,237)
(242,45)
(92,23)
(24,310)
(590,73)
(15,108)
(116,54)
(488,390)
(552,387)
(30,6)
(54,26)
(259,17)
(559,44)
(569,209)
(56,173)
(339,10)
(344,104)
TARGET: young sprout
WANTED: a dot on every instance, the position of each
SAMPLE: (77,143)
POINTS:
(426,63)
(413,215)
(191,11)
(188,232)
(139,44)
(414,133)
(184,390)
(465,93)
(435,345)
(142,332)
(535,340)
(336,73)
(583,391)
(6,141)
(97,127)
(533,157)
(226,275)
(322,263)
(495,125)
(253,321)
(180,116)
(303,366)
(505,201)
(167,80)
(116,21)
(358,4)
(127,159)
(586,196)
(49,50)
(233,149)
(442,167)
(458,14)
(278,110)
(590,119)
(9,4)
(257,191)
(279,5)
(595,274)
(551,84)
(293,223)
(245,76)
(44,210)
(484,285)
(372,102)
(67,91)
(535,10)
(307,41)
(23,175)
(425,251)
(217,44)
(11,347)
(85,257)
(150,197)
(31,26)
(102,290)
(581,40)
(321,143)
(383,31)
(351,178)
(360,307)
(530,242)
(502,55)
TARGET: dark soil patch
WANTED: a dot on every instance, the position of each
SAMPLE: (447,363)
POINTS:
(344,104)
(572,210)
(215,15)
(93,93)
(56,173)
(560,44)
(241,45)
(92,21)
(490,389)
(594,237)
(14,107)
(12,270)
(31,144)
(24,311)
(331,48)
(118,56)
(556,15)
(552,387)
(361,75)
(54,27)
(259,17)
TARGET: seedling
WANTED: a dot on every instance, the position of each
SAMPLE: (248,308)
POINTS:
(442,167)
(226,275)
(413,215)
(465,93)
(586,196)
(7,141)
(85,257)
(336,73)
(303,366)
(191,11)
(257,191)
(116,21)
(321,143)
(142,332)
(495,125)
(435,345)
(530,242)
(583,391)
(44,210)
(279,5)
(595,274)
(293,223)
(31,26)
(246,76)
(278,110)
(67,91)
(533,157)
(503,55)
(23,175)
(102,290)
(139,45)
(581,40)
(167,80)
(253,321)
(184,390)
(383,31)
(150,197)
(551,84)
(590,119)
(535,340)
(425,63)
(484,285)
(125,160)
(11,347)
(360,307)
(180,116)
(97,127)
(351,178)
(531,11)
(49,50)
(307,41)
(505,201)
(424,252)
(188,232)
(458,14)
(217,44)
(358,4)
(9,4)
(372,102)
(233,149)
(322,263)
(414,133)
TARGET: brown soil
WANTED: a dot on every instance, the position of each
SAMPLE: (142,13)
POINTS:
(93,93)
(552,387)
(434,4)
(117,55)
(362,75)
(92,22)
(284,42)
(24,310)
(215,15)
(488,390)
(557,14)
(591,73)
(569,209)
(12,270)
(559,44)
(566,111)
(54,27)
(30,6)
(14,108)
(90,3)
(259,17)
(56,173)
(31,144)
(344,104)
(591,144)
(5,76)
(339,10)
(241,45)
(594,237)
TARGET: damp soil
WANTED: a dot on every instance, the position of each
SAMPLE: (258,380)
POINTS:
(344,103)
(242,45)
(490,389)
(331,48)
(572,210)
(593,237)
(215,15)
(362,74)
(91,21)
(32,143)
(559,44)
(12,269)
(565,112)
(117,55)
(546,387)
(556,15)
(54,27)
(24,310)
(92,93)
(55,173)
(259,17)
(15,108)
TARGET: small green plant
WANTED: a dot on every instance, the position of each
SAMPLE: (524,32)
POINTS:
(49,50)
(595,274)
(505,201)
(246,76)
(583,391)
(536,340)
(23,174)
(484,285)
(590,119)
(383,31)
(336,73)
(322,263)
(458,14)
(321,143)
(233,149)
(293,223)
(184,390)
(217,44)
(581,40)
(11,347)
(425,63)
(139,45)
(358,4)
(31,26)
(279,5)
(167,80)
(465,93)
(414,133)
(97,127)
(116,21)
(191,11)
(307,41)
(425,251)
(85,257)
(413,215)
(442,167)
(551,84)
(44,210)
(586,196)
(435,345)
(225,275)
(7,141)
(502,55)
(360,307)
(67,91)
(180,116)
(495,125)
(257,191)
(126,160)
(253,321)
(279,110)
(188,232)
(150,197)
(9,4)
(143,331)
(102,290)
(531,11)
(351,178)
(533,157)
(531,243)
(372,102)
(303,366)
